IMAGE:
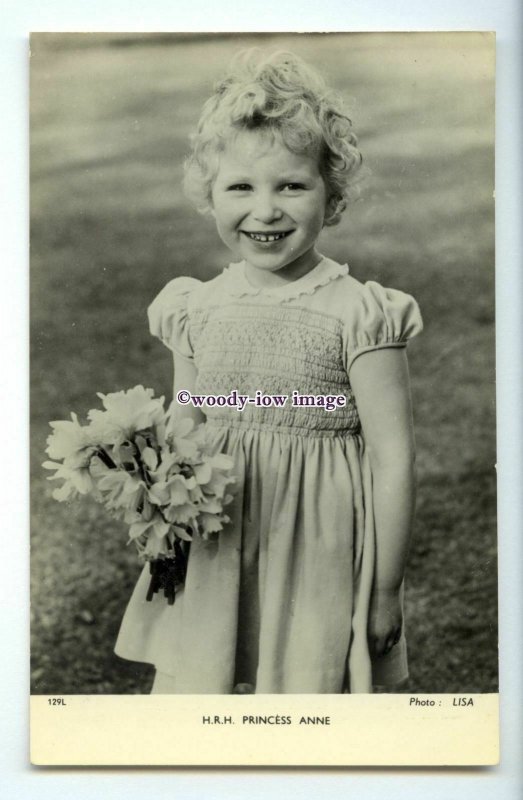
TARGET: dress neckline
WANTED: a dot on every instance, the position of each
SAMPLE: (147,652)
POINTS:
(324,272)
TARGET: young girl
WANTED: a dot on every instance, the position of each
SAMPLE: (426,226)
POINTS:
(302,591)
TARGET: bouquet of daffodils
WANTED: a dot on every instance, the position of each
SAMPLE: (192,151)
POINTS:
(164,481)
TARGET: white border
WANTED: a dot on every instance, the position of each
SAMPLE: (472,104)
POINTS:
(22,16)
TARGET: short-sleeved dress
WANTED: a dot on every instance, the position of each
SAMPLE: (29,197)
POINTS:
(281,600)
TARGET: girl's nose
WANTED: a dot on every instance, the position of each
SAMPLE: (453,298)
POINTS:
(266,208)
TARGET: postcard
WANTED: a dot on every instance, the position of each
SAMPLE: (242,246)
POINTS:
(262,407)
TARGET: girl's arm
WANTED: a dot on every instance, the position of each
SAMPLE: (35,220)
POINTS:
(184,378)
(380,382)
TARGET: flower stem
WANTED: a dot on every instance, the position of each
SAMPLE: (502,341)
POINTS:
(105,458)
(141,469)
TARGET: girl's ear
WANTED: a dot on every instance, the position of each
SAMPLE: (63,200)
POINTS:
(334,206)
(330,207)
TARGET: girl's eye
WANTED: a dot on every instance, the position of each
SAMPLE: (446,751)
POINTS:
(294,187)
(239,187)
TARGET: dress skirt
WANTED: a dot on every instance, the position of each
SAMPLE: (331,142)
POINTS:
(280,600)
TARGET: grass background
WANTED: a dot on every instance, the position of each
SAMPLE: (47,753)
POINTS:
(110,116)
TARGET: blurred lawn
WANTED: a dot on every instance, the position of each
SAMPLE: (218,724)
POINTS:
(110,116)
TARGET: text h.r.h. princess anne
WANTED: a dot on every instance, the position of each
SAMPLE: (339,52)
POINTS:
(165,481)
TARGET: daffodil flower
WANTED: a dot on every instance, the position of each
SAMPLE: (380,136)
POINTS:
(70,441)
(76,480)
(126,413)
(121,490)
(211,523)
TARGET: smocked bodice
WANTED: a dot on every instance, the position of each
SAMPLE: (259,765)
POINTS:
(275,350)
(301,338)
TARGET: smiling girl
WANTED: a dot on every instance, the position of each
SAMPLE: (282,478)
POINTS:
(302,591)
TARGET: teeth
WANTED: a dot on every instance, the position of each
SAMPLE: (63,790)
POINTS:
(266,237)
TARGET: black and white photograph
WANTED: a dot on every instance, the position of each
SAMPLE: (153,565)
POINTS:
(263,424)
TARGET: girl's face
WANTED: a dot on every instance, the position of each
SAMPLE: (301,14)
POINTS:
(269,204)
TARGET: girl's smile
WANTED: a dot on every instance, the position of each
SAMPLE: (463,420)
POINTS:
(267,237)
(269,205)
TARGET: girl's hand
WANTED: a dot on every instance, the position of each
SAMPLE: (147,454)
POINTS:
(385,621)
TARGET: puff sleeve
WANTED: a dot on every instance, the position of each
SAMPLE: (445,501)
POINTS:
(380,318)
(169,318)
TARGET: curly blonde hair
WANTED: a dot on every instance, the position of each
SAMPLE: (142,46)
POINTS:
(280,95)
